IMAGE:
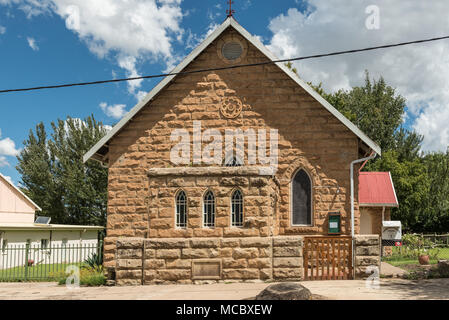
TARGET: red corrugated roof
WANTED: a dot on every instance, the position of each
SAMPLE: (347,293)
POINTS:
(377,189)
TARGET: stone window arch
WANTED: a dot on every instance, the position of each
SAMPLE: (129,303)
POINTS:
(237,208)
(209,209)
(301,196)
(181,210)
(233,161)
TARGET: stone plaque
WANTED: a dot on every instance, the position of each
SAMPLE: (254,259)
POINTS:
(206,269)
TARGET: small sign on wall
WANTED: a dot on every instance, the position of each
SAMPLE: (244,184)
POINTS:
(334,223)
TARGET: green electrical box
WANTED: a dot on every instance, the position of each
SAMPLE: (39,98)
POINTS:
(334,223)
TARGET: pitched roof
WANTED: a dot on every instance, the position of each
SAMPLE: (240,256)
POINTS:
(27,199)
(99,150)
(376,189)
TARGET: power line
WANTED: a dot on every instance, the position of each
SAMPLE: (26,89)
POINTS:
(225,68)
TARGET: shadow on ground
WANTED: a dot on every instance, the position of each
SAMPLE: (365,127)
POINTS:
(420,289)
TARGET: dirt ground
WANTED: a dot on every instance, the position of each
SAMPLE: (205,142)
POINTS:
(389,289)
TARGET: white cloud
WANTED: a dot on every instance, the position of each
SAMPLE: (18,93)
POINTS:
(140,95)
(9,179)
(7,148)
(246,4)
(419,72)
(194,40)
(130,31)
(3,162)
(116,111)
(129,64)
(30,7)
(32,43)
(2,30)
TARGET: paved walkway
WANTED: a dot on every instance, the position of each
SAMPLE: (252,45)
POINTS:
(390,289)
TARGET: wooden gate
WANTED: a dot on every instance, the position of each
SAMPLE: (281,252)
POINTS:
(327,258)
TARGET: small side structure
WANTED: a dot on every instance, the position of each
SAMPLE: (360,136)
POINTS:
(376,198)
(18,227)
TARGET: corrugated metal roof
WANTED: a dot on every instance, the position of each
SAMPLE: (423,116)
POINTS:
(376,189)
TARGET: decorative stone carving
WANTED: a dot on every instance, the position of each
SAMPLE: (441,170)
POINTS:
(231,107)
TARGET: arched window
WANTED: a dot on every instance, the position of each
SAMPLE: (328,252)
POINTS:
(209,210)
(237,208)
(302,199)
(181,210)
(233,162)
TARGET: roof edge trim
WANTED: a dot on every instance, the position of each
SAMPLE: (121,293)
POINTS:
(21,193)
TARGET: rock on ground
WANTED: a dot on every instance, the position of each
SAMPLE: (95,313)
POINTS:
(285,291)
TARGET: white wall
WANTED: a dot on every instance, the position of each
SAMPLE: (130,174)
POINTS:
(12,217)
(366,223)
(12,203)
(77,248)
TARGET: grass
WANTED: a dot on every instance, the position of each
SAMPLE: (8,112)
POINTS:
(398,260)
(53,272)
(88,277)
(41,272)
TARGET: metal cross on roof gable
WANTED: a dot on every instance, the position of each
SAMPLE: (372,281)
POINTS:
(230,12)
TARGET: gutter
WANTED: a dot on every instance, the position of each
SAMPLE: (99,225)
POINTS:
(372,156)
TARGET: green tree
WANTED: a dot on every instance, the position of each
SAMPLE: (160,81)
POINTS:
(421,181)
(375,108)
(407,144)
(36,165)
(54,175)
(436,208)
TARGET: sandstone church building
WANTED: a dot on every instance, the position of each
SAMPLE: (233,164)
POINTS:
(195,221)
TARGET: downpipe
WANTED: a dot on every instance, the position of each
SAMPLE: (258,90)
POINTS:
(372,156)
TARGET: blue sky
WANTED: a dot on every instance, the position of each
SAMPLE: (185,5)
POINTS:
(40,44)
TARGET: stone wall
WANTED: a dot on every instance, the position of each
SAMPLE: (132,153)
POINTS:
(310,138)
(154,261)
(287,258)
(258,201)
(367,253)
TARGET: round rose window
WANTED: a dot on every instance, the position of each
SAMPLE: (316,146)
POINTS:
(232,50)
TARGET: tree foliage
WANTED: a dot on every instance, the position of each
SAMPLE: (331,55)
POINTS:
(421,180)
(375,108)
(55,177)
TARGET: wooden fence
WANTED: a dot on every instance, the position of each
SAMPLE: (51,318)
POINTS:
(327,258)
